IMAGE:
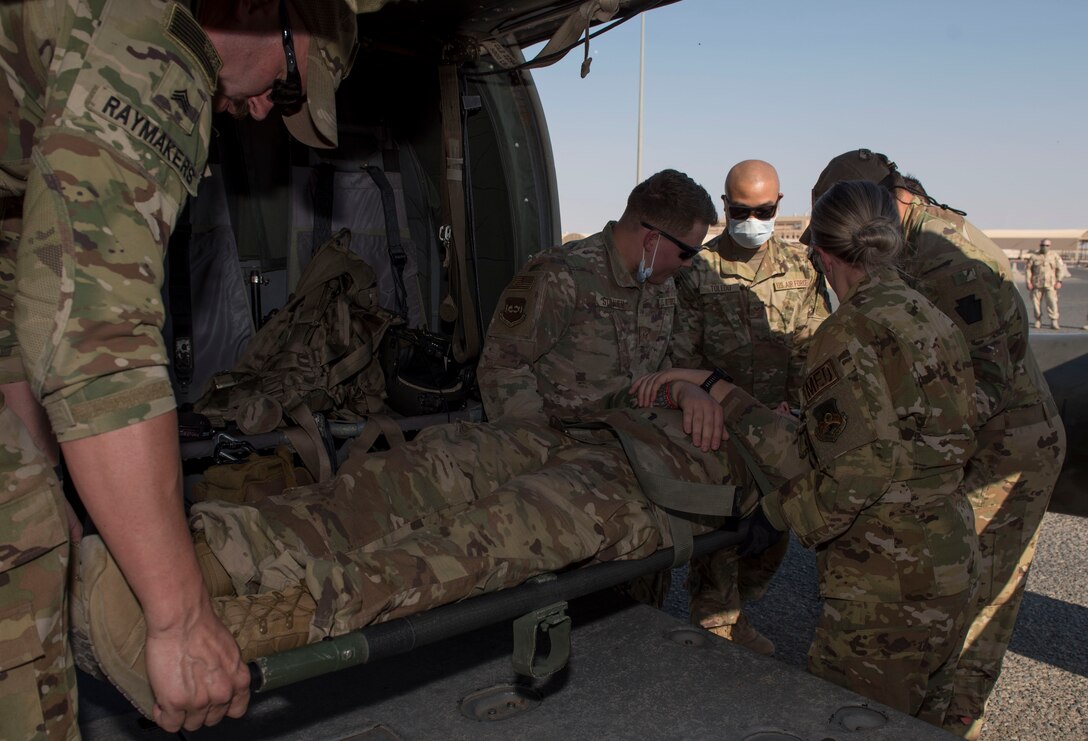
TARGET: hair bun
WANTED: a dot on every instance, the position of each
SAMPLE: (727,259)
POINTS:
(880,238)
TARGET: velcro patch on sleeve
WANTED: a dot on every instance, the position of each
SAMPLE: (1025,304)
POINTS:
(149,131)
(822,377)
(829,420)
(179,98)
(514,310)
(970,309)
(180,25)
(838,424)
(611,302)
(720,288)
(522,282)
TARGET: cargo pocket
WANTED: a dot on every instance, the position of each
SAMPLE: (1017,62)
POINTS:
(885,665)
(33,523)
(1001,549)
(20,700)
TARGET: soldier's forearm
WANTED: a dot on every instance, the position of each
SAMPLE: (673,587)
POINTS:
(130,482)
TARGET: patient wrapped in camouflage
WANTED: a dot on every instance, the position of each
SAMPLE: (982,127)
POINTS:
(462,510)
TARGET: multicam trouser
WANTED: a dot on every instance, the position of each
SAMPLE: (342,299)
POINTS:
(1009,482)
(37,675)
(899,653)
(722,582)
(462,510)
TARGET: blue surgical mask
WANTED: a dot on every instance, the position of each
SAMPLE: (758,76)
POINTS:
(751,233)
(643,274)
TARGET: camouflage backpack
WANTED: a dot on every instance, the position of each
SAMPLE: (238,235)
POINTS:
(316,354)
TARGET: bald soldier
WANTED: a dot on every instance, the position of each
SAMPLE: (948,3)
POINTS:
(748,306)
(107,109)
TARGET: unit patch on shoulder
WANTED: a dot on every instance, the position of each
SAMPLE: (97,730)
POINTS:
(970,309)
(820,378)
(786,285)
(830,421)
(513,311)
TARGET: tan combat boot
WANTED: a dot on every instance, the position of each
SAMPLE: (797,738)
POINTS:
(109,615)
(265,624)
(114,623)
(216,578)
(744,634)
(79,637)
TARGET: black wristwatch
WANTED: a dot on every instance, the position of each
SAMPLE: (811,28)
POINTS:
(716,375)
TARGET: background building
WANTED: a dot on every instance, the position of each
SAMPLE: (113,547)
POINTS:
(1072,244)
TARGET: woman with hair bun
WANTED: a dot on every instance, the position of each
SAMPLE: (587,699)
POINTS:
(871,474)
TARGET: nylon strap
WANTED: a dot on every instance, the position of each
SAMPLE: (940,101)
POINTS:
(459,306)
(376,425)
(181,299)
(671,494)
(762,482)
(324,175)
(307,441)
(397,255)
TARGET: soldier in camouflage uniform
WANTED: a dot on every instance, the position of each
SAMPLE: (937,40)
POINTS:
(1021,439)
(874,468)
(580,322)
(748,305)
(1045,270)
(108,112)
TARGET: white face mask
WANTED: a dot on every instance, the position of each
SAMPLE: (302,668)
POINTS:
(644,273)
(751,233)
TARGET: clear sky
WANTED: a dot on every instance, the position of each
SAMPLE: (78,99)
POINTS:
(985,101)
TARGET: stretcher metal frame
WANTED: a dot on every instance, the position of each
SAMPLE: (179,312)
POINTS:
(545,595)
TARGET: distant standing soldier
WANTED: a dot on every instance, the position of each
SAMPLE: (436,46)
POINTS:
(748,305)
(1045,272)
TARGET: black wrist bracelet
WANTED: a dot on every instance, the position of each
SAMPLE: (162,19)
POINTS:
(716,375)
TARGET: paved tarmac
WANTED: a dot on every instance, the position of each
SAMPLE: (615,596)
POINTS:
(1042,693)
(1043,690)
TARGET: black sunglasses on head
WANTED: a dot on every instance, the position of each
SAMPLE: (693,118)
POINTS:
(287,94)
(686,250)
(740,212)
